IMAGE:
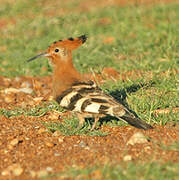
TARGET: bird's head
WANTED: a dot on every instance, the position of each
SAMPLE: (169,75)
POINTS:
(62,49)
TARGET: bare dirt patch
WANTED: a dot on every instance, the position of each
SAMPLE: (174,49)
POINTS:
(26,144)
(28,150)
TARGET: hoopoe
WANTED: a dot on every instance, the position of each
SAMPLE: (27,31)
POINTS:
(75,93)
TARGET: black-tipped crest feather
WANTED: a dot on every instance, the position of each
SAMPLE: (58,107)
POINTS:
(83,38)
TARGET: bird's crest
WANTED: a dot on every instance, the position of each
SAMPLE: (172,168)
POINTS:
(70,43)
(65,45)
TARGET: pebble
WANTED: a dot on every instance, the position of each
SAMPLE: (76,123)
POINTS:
(147,148)
(26,90)
(60,140)
(41,130)
(49,168)
(38,99)
(10,90)
(137,138)
(56,154)
(5,172)
(127,158)
(26,84)
(15,90)
(49,144)
(56,133)
(32,173)
(82,144)
(17,171)
(10,147)
(42,173)
(17,79)
(8,99)
(50,98)
(14,142)
(37,127)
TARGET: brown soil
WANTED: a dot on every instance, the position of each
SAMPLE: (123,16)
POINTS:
(28,150)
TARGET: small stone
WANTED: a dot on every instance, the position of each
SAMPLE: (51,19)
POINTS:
(42,173)
(147,148)
(14,142)
(32,173)
(10,147)
(49,169)
(49,144)
(6,151)
(0,143)
(38,99)
(17,79)
(24,105)
(50,98)
(82,144)
(127,158)
(37,127)
(17,171)
(10,90)
(5,172)
(41,130)
(56,154)
(6,159)
(8,99)
(137,138)
(26,90)
(26,84)
(60,140)
(56,134)
(87,148)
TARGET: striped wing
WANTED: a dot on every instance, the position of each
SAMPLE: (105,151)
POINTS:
(87,97)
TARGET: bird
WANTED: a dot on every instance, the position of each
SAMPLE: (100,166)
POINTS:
(75,92)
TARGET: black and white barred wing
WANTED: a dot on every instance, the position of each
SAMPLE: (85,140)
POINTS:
(89,98)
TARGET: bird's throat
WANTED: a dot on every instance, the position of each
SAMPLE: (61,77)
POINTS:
(64,75)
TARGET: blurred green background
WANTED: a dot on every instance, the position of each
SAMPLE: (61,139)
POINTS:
(120,35)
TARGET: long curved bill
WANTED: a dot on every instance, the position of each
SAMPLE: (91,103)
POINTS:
(39,55)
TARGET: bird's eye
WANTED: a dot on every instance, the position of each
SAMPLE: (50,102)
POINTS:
(56,50)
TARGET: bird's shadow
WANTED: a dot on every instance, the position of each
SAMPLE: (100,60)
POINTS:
(121,95)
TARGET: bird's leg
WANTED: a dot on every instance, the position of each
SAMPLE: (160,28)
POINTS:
(96,119)
(81,120)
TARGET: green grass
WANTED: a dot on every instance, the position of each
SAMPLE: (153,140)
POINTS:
(147,39)
(38,111)
(143,171)
(146,36)
(70,127)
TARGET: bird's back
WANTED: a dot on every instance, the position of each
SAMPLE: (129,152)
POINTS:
(88,97)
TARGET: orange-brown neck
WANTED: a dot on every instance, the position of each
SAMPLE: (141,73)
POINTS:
(64,75)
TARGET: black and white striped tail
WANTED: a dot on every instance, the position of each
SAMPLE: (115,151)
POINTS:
(136,122)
